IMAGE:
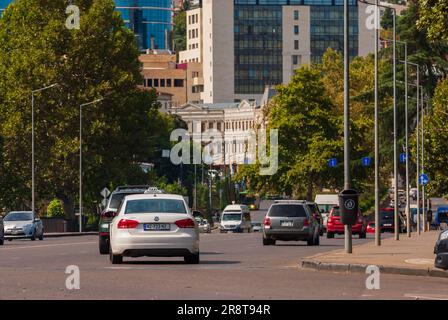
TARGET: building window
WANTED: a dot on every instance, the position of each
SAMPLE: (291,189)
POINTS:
(296,30)
(168,82)
(156,83)
(162,82)
(296,15)
(296,44)
(178,83)
(295,59)
(150,83)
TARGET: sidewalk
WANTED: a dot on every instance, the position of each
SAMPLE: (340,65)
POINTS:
(408,256)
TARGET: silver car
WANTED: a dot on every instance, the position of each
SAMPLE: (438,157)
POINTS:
(23,225)
(290,220)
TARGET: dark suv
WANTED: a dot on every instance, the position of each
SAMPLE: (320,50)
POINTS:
(109,212)
(290,220)
(317,214)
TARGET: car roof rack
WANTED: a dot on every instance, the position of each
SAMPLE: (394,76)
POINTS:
(290,201)
(132,187)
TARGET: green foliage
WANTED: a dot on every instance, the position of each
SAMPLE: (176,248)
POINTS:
(55,209)
(180,32)
(434,18)
(436,142)
(98,60)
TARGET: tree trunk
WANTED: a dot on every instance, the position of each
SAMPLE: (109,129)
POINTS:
(309,192)
(68,205)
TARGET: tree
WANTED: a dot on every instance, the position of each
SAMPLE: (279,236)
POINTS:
(436,142)
(98,60)
(434,19)
(180,31)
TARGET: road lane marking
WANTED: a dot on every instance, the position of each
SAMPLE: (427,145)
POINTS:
(48,245)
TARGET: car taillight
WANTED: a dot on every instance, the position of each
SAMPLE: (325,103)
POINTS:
(185,223)
(267,222)
(306,222)
(127,224)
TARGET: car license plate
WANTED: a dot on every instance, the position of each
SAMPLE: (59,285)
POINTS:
(286,223)
(156,227)
(388,224)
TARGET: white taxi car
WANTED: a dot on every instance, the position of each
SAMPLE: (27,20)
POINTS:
(154,225)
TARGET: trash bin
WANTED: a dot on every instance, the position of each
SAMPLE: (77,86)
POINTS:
(348,206)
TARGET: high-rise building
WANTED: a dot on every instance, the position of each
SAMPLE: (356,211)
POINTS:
(246,45)
(151,21)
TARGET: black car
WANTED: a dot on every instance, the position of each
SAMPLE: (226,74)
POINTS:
(441,251)
(2,232)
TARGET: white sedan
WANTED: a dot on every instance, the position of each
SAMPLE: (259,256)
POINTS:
(154,225)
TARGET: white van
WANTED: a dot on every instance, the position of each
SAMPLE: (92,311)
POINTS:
(325,202)
(236,218)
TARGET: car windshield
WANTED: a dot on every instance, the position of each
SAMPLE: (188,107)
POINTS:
(387,214)
(231,217)
(288,210)
(155,206)
(325,207)
(19,216)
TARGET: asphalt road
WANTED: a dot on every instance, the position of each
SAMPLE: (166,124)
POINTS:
(234,266)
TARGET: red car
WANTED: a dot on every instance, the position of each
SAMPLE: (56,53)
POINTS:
(334,225)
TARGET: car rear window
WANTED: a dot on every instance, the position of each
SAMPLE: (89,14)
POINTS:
(287,210)
(336,212)
(155,206)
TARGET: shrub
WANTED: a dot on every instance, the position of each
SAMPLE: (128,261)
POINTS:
(55,209)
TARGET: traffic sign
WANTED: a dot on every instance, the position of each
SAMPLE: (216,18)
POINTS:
(423,179)
(403,157)
(105,193)
(333,162)
(366,161)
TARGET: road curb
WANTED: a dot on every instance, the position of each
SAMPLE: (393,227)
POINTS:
(361,268)
(70,234)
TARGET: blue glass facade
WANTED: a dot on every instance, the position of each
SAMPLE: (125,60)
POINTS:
(259,43)
(151,20)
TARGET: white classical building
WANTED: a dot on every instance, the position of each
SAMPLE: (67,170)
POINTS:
(231,127)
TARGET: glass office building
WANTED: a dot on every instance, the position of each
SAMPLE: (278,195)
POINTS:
(151,21)
(259,40)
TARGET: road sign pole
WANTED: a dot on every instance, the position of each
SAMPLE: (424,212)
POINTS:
(423,161)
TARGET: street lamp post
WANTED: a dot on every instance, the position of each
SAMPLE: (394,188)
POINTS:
(80,159)
(348,228)
(33,197)
(396,218)
(377,140)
